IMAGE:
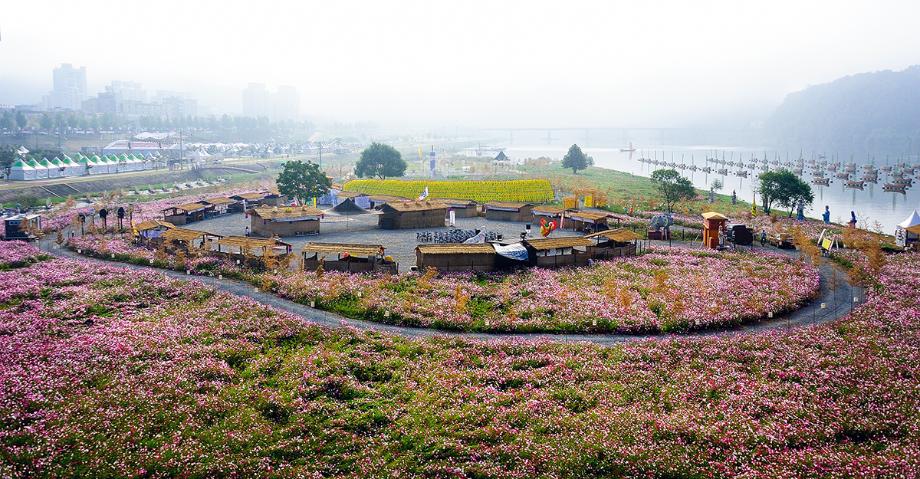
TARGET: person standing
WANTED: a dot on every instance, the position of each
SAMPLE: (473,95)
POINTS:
(763,237)
(826,215)
(734,197)
(852,219)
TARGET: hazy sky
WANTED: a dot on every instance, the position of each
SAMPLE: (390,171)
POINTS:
(468,63)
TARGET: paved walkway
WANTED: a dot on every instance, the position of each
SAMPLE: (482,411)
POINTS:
(837,303)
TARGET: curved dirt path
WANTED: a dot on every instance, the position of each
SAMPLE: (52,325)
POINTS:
(837,303)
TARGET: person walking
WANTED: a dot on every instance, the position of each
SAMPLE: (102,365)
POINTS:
(826,215)
(763,237)
(852,219)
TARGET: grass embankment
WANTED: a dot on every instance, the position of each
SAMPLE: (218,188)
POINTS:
(626,189)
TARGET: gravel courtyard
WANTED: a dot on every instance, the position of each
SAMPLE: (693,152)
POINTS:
(362,228)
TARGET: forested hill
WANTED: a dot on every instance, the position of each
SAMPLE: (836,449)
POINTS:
(876,113)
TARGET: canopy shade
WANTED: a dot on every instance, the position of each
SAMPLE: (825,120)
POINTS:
(911,221)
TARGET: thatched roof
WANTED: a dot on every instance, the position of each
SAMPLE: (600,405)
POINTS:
(404,206)
(541,244)
(457,202)
(246,242)
(712,215)
(153,224)
(460,248)
(183,234)
(387,198)
(358,250)
(547,210)
(251,196)
(188,207)
(620,235)
(349,194)
(285,212)
(221,200)
(587,215)
(504,205)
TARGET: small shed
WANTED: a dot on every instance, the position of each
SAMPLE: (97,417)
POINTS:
(268,221)
(412,214)
(379,200)
(585,221)
(713,224)
(223,205)
(187,213)
(560,251)
(249,200)
(244,245)
(503,211)
(461,208)
(348,257)
(612,243)
(186,239)
(151,231)
(274,198)
(22,226)
(548,213)
(480,257)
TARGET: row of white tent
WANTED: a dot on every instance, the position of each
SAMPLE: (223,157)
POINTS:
(80,165)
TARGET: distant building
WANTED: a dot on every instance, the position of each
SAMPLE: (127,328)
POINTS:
(68,89)
(256,101)
(286,104)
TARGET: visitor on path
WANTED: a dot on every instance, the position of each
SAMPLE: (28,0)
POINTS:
(852,219)
(826,215)
(800,212)
(247,231)
(763,237)
(734,197)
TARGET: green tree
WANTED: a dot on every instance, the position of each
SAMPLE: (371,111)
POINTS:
(576,159)
(21,120)
(672,187)
(7,156)
(45,123)
(784,188)
(6,121)
(380,160)
(302,180)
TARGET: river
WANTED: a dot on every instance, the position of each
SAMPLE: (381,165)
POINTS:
(870,204)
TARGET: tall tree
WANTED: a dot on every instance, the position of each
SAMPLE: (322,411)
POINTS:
(784,188)
(45,123)
(302,180)
(380,160)
(672,187)
(576,159)
(21,120)
(6,121)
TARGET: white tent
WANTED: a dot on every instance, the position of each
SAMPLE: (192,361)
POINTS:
(41,171)
(908,231)
(72,168)
(57,168)
(20,170)
(135,163)
(51,171)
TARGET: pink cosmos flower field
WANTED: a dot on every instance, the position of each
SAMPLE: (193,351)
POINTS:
(111,372)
